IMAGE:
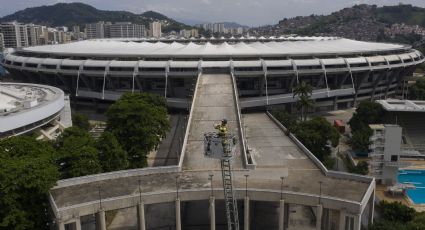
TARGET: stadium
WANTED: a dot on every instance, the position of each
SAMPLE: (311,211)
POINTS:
(342,71)
(276,182)
(25,108)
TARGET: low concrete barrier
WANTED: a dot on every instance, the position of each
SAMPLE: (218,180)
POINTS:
(133,200)
(189,123)
(247,158)
(115,175)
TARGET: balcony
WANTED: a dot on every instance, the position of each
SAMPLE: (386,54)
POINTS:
(376,137)
(399,164)
(377,146)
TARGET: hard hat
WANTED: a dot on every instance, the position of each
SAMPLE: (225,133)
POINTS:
(224,121)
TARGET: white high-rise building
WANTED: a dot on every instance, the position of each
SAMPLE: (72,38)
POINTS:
(1,42)
(95,30)
(155,29)
(218,28)
(385,152)
(126,30)
(34,33)
(14,34)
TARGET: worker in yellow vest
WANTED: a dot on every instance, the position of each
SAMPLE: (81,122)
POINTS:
(222,132)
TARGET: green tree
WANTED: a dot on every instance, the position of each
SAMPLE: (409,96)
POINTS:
(27,172)
(81,121)
(417,91)
(111,155)
(397,216)
(288,120)
(396,212)
(139,121)
(361,168)
(304,92)
(318,135)
(418,222)
(387,225)
(360,139)
(366,113)
(79,157)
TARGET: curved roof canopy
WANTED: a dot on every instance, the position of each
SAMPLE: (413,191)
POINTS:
(310,47)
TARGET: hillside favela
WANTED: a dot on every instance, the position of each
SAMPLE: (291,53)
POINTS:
(212,115)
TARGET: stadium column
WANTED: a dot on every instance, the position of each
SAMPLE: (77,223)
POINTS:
(358,85)
(371,207)
(357,222)
(178,215)
(377,80)
(319,211)
(141,216)
(392,75)
(101,220)
(212,212)
(342,214)
(78,224)
(281,215)
(246,213)
(61,226)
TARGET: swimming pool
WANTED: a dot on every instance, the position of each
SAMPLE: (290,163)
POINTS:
(417,178)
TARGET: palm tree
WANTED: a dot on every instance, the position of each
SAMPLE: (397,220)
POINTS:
(304,92)
(303,103)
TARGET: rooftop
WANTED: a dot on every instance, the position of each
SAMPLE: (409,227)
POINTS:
(376,126)
(395,105)
(276,155)
(17,100)
(239,48)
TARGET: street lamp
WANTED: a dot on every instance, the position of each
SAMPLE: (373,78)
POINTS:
(140,193)
(100,198)
(177,186)
(210,177)
(320,192)
(281,188)
(246,185)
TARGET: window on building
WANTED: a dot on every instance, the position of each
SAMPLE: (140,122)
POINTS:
(394,158)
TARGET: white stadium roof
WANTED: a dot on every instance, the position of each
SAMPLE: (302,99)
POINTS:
(272,48)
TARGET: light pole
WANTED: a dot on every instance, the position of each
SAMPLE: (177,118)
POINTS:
(140,193)
(100,197)
(211,181)
(281,188)
(246,185)
(320,192)
(177,186)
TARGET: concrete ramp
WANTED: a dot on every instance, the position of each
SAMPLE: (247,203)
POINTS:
(214,100)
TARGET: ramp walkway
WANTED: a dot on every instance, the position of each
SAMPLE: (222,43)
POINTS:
(214,100)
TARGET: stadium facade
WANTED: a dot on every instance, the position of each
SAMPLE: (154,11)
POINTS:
(342,71)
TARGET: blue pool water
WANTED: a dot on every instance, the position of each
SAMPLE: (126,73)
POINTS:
(417,178)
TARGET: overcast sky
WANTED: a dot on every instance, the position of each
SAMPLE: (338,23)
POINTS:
(248,12)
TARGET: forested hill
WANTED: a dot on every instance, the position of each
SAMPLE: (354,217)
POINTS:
(362,22)
(70,14)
